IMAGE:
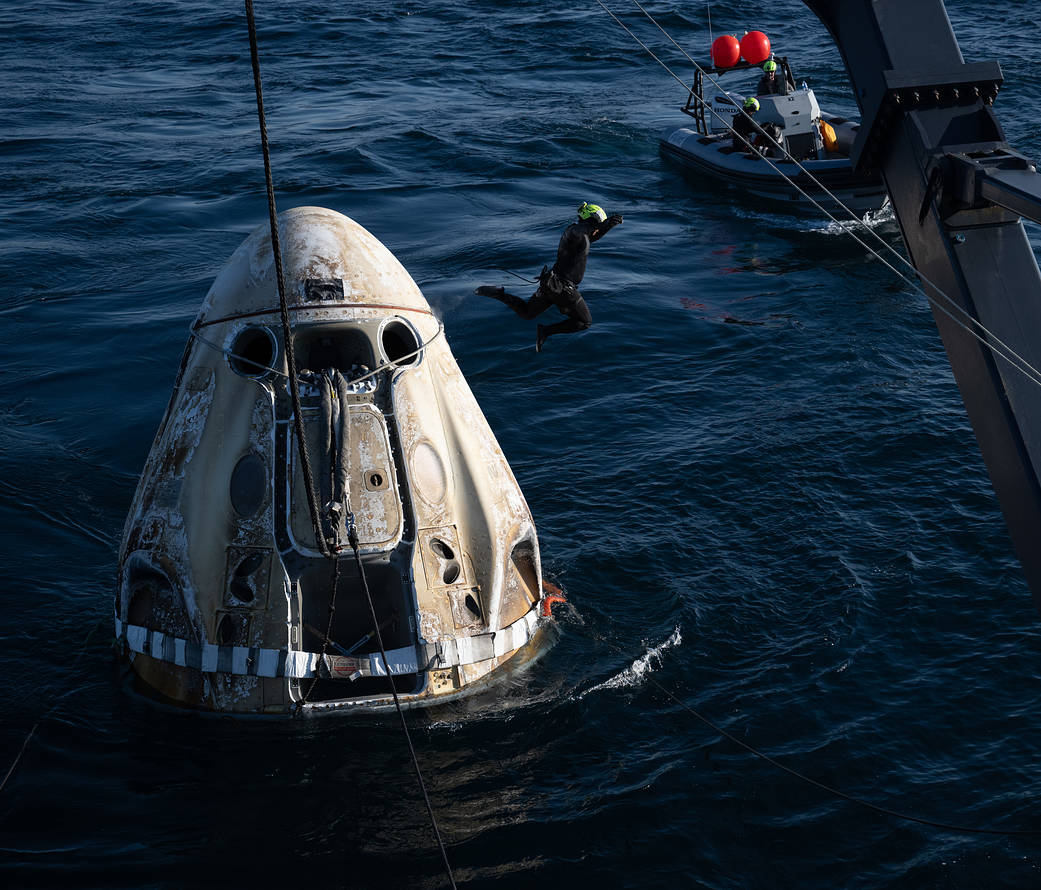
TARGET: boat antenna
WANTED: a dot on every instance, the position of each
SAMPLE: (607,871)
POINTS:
(708,8)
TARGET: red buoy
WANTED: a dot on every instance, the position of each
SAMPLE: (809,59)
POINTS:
(755,47)
(726,51)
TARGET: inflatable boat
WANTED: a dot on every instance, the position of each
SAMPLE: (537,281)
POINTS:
(819,142)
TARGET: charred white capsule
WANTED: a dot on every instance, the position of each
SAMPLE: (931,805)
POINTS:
(224,591)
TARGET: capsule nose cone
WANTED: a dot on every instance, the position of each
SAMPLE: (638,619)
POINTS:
(318,245)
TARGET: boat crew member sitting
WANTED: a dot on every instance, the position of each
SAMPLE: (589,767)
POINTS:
(559,286)
(744,126)
(771,141)
(769,84)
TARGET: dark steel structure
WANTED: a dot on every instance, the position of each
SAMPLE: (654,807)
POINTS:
(958,191)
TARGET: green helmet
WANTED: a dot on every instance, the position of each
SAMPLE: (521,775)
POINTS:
(591,211)
(751,105)
(770,66)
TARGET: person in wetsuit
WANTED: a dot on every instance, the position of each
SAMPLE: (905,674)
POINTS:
(559,286)
(744,126)
(769,85)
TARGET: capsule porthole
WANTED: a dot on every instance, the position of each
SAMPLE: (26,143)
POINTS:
(399,341)
(252,352)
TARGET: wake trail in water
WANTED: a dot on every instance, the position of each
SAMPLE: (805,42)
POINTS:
(633,675)
(872,219)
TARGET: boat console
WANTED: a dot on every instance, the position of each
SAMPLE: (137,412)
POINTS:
(797,114)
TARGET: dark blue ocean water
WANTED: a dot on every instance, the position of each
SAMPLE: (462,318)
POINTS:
(785,524)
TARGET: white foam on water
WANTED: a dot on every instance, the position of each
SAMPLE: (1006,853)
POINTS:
(872,219)
(633,675)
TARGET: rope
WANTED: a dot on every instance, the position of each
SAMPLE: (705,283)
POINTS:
(25,745)
(36,725)
(352,537)
(802,777)
(332,611)
(287,331)
(995,344)
(305,462)
(521,277)
(338,422)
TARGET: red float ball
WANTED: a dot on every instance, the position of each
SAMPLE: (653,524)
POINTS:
(755,47)
(726,51)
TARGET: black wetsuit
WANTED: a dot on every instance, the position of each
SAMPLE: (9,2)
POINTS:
(774,86)
(743,126)
(768,86)
(559,286)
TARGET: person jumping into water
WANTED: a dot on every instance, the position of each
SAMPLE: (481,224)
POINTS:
(559,286)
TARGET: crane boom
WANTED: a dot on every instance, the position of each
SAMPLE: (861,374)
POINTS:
(958,191)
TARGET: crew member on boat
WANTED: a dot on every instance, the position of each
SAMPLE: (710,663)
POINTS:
(771,141)
(744,127)
(559,286)
(769,83)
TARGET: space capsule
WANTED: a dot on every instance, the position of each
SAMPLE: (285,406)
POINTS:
(232,596)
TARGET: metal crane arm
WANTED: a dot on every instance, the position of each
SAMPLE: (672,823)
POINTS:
(958,191)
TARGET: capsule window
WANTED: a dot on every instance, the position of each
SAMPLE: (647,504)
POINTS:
(252,352)
(248,486)
(398,341)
